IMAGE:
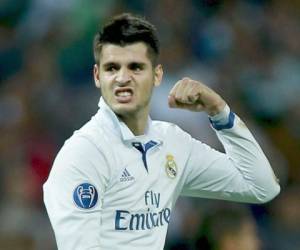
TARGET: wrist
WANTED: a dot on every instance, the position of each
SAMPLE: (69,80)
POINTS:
(223,120)
(215,110)
(221,116)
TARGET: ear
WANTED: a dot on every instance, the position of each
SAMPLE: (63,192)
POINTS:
(158,74)
(96,72)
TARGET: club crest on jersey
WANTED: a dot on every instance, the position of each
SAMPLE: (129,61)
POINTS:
(171,167)
(85,196)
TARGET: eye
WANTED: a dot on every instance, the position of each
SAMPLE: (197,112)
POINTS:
(137,67)
(111,67)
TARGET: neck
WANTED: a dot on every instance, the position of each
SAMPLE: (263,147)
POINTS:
(137,122)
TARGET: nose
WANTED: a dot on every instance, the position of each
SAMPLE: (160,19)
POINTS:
(123,76)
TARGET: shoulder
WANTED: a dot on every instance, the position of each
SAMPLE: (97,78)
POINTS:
(85,151)
(90,140)
(170,130)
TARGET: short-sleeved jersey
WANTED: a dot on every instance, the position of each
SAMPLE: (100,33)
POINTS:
(109,189)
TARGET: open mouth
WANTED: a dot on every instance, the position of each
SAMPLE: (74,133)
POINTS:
(123,95)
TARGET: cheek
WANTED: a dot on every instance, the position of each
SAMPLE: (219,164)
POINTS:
(146,92)
(105,81)
(146,84)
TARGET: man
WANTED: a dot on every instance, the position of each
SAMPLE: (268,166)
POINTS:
(115,182)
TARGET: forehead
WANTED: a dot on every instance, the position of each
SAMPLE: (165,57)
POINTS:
(128,53)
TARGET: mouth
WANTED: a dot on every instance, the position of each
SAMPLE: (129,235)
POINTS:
(123,94)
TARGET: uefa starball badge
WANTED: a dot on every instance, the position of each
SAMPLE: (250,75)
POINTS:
(171,167)
(85,196)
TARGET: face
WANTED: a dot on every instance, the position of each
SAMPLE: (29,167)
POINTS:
(126,78)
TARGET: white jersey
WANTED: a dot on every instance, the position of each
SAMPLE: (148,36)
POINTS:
(109,189)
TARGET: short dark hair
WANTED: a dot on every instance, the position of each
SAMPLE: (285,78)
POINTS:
(126,29)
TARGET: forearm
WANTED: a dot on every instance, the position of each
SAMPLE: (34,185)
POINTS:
(246,155)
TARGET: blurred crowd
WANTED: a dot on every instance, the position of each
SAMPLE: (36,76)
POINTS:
(247,50)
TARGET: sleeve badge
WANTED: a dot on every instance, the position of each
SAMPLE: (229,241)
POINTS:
(85,196)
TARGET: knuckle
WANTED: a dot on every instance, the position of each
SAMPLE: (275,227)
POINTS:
(185,81)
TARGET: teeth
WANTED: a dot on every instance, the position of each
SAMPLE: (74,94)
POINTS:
(125,93)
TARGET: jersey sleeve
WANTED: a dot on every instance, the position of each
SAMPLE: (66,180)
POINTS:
(241,174)
(73,194)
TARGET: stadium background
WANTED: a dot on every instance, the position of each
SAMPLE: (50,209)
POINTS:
(247,50)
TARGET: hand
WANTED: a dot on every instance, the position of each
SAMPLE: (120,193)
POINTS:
(195,96)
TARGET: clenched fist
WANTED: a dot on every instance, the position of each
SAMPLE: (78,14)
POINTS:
(195,96)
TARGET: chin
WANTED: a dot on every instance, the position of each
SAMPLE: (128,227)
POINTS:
(124,109)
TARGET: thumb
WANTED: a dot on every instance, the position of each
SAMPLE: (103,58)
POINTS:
(192,107)
(175,104)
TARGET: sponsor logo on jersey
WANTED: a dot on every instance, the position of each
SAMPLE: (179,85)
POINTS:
(126,176)
(85,196)
(145,219)
(171,167)
(125,220)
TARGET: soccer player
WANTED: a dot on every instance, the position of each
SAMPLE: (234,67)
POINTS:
(114,183)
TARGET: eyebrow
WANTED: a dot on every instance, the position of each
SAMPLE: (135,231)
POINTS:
(108,64)
(141,64)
